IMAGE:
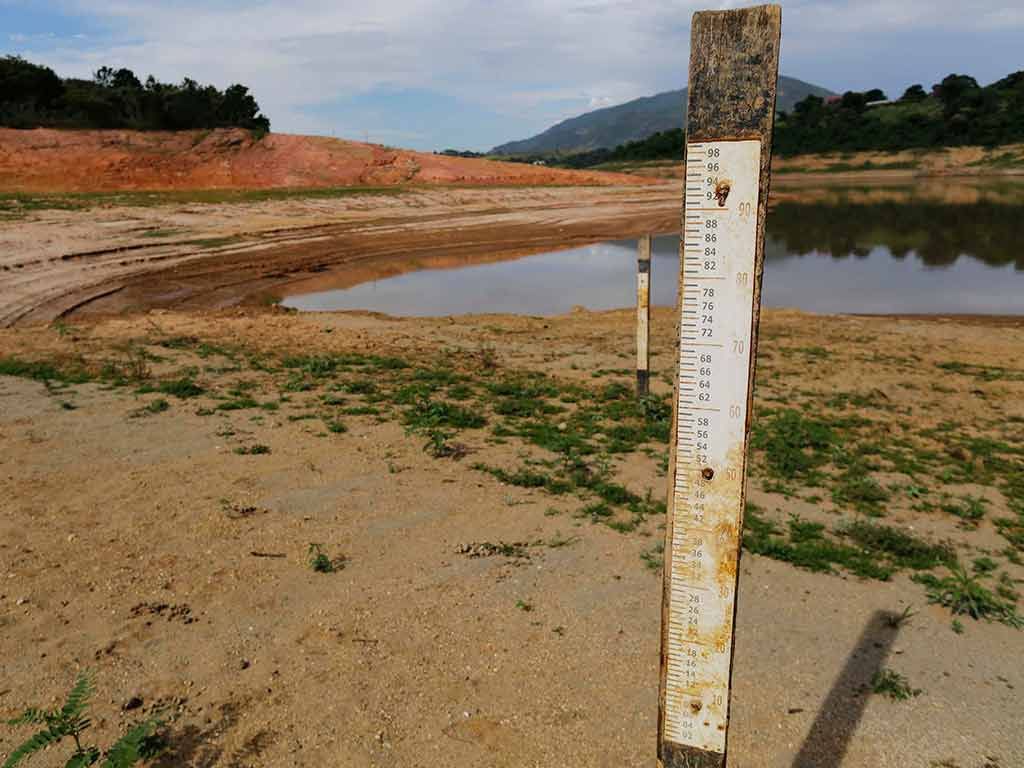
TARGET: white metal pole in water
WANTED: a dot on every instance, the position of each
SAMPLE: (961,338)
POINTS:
(643,315)
(734,59)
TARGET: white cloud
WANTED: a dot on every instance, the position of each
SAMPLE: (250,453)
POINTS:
(531,58)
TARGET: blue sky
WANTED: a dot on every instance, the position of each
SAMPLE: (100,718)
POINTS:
(431,74)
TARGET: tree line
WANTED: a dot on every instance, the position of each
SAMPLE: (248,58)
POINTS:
(34,96)
(957,111)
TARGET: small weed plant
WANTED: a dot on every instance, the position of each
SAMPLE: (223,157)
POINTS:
(888,682)
(321,563)
(965,595)
(70,722)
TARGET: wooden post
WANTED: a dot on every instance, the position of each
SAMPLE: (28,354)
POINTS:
(643,315)
(733,79)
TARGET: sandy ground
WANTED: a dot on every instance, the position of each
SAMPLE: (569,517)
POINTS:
(139,543)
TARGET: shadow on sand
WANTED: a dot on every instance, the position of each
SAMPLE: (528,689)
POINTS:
(843,708)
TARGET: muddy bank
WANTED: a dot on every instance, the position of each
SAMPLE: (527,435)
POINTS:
(123,257)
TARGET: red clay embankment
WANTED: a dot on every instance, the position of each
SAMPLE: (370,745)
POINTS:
(46,160)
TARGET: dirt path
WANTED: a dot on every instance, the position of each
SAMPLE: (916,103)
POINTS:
(118,257)
(163,476)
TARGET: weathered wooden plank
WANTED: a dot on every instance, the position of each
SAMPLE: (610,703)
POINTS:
(732,87)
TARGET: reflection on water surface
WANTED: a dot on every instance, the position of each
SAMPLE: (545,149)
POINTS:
(848,253)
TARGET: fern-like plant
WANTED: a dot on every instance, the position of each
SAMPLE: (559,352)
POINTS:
(70,722)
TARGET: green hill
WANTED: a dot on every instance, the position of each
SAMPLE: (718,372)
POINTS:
(633,121)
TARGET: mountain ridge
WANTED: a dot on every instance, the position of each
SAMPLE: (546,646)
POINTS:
(633,120)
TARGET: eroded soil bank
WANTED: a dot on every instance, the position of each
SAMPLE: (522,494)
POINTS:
(491,494)
(51,160)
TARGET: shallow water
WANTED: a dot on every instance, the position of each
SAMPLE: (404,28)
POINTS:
(888,257)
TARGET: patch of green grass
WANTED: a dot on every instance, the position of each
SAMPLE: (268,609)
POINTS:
(436,377)
(865,549)
(360,410)
(1012,529)
(526,478)
(845,399)
(887,682)
(984,565)
(161,233)
(899,547)
(969,509)
(238,404)
(182,388)
(597,512)
(794,445)
(298,382)
(359,387)
(965,595)
(983,372)
(654,557)
(152,408)
(805,545)
(73,201)
(856,488)
(257,449)
(45,371)
(523,395)
(215,242)
(335,426)
(1005,588)
(425,414)
(460,392)
(568,437)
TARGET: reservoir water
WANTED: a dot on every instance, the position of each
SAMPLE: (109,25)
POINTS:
(888,256)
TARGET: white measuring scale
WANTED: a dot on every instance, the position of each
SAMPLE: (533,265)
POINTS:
(706,505)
